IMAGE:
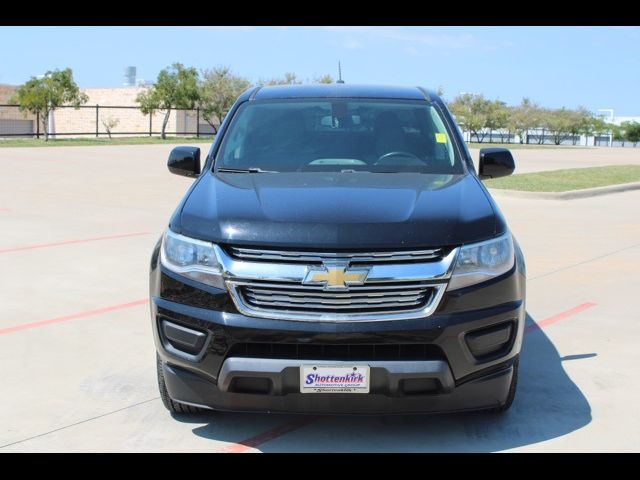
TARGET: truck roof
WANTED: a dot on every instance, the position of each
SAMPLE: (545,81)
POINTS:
(339,90)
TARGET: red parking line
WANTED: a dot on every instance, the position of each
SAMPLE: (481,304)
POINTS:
(264,437)
(559,317)
(75,316)
(69,242)
(2,210)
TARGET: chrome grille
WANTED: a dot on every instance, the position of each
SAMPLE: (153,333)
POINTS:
(290,301)
(319,257)
(273,284)
(311,298)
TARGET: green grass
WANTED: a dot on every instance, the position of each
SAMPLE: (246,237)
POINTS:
(569,179)
(523,146)
(89,141)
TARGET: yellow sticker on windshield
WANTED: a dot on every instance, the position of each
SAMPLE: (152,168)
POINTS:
(441,138)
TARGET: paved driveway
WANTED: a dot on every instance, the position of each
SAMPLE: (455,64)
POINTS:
(77,357)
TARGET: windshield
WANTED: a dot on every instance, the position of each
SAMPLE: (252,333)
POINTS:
(338,135)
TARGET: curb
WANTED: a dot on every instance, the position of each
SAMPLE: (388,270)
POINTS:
(569,195)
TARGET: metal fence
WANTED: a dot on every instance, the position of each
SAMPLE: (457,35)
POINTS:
(97,120)
(543,137)
(492,137)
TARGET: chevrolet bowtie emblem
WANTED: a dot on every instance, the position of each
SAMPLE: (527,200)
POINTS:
(336,276)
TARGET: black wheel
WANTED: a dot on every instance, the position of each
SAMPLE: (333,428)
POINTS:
(512,391)
(173,407)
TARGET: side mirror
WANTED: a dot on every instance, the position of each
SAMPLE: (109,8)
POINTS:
(496,162)
(184,161)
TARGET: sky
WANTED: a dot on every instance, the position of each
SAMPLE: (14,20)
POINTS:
(594,67)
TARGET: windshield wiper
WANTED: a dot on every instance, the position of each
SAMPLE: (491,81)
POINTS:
(245,170)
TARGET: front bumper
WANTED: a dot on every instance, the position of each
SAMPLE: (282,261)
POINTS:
(488,391)
(446,377)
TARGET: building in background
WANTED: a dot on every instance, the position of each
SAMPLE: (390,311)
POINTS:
(130,76)
(608,115)
(12,121)
(104,104)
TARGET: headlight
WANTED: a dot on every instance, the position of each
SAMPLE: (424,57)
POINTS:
(191,258)
(479,262)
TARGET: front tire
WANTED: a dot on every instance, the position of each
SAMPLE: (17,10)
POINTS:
(171,405)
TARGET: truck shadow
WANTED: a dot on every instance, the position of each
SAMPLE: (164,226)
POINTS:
(548,405)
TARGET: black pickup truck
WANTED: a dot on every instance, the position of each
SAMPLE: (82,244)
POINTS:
(338,253)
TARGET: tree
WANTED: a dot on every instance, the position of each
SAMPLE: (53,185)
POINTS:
(523,118)
(176,87)
(42,96)
(288,79)
(598,128)
(543,116)
(109,124)
(579,122)
(471,111)
(632,132)
(618,132)
(559,123)
(497,118)
(327,78)
(219,90)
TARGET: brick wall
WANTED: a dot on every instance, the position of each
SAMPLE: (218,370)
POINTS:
(130,120)
(6,92)
(83,120)
(12,120)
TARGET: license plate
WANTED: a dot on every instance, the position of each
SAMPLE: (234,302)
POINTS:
(334,379)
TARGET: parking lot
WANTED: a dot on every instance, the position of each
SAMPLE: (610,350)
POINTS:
(77,360)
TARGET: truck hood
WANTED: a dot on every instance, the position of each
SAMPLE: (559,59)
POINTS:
(339,210)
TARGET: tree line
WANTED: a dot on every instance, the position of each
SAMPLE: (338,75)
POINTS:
(483,117)
(214,91)
(177,87)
